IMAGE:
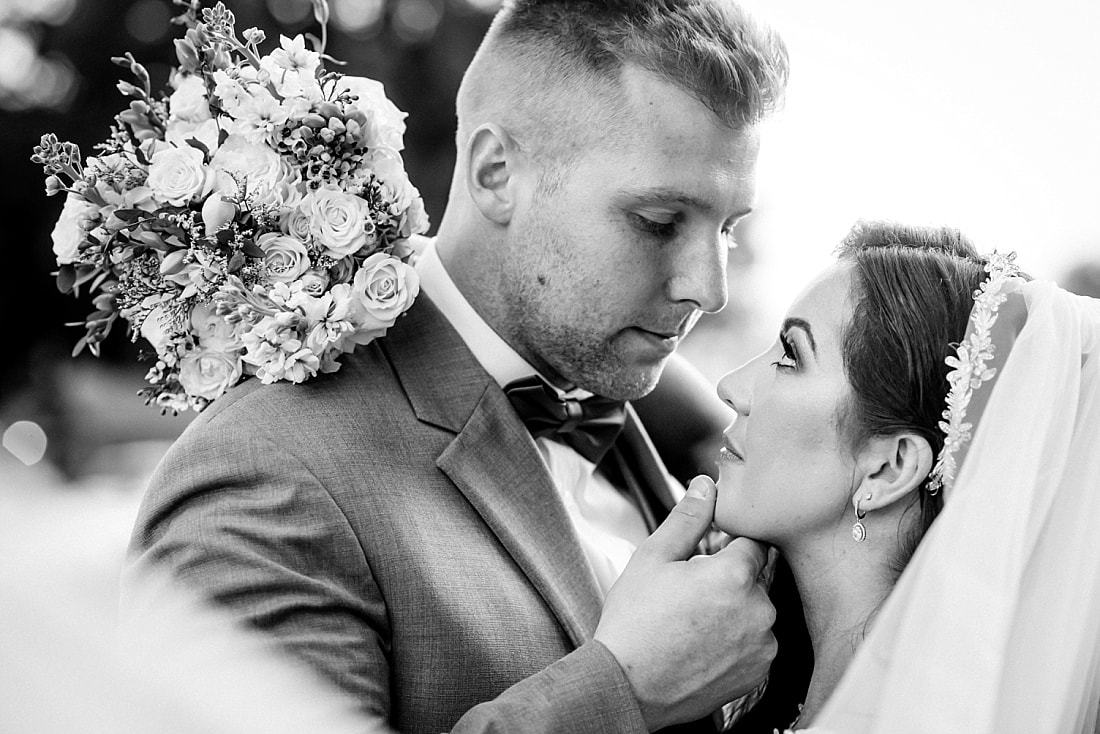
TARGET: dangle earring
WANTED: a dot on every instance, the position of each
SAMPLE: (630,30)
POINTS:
(859,532)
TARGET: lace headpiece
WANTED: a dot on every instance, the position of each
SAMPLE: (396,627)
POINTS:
(968,367)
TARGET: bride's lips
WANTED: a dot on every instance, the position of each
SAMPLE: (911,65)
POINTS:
(729,451)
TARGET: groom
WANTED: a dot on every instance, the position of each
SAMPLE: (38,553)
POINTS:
(411,526)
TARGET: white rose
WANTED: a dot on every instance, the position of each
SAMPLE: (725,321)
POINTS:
(285,258)
(295,223)
(68,232)
(208,373)
(212,330)
(177,175)
(179,132)
(189,101)
(385,122)
(314,282)
(252,162)
(385,288)
(339,221)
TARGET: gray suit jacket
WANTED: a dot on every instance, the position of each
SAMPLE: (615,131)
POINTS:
(393,526)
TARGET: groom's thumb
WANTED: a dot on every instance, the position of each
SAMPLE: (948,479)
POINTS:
(677,537)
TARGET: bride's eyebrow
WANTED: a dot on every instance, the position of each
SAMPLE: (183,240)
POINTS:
(804,326)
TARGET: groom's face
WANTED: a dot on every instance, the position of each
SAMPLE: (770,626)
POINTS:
(611,266)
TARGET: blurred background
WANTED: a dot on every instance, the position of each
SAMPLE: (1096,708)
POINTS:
(980,114)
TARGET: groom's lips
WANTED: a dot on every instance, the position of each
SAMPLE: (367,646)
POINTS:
(664,342)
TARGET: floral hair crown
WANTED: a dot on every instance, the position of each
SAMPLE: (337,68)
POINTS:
(969,368)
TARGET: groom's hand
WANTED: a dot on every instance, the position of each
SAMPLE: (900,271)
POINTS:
(693,634)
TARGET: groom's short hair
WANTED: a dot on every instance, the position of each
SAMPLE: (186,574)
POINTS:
(546,63)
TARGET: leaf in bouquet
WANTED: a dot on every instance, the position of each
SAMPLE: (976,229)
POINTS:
(66,278)
(130,215)
(224,237)
(250,248)
(201,146)
(84,273)
(97,284)
(236,262)
(151,239)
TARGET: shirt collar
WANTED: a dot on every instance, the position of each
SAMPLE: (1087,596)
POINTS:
(494,354)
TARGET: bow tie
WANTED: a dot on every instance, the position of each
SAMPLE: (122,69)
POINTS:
(587,426)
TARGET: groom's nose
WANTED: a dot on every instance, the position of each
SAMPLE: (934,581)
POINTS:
(697,273)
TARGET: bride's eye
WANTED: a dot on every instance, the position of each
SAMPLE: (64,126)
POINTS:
(789,360)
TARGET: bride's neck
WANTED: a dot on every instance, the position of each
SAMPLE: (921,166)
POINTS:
(839,598)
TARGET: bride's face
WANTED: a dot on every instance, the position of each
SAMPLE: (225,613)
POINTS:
(787,469)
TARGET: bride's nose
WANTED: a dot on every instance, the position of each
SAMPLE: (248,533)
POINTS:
(735,389)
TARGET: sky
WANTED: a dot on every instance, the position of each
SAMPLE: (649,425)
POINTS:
(976,114)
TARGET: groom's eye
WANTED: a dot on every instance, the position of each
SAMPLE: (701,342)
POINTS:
(663,226)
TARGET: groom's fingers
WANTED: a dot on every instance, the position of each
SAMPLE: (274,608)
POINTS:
(748,554)
(677,537)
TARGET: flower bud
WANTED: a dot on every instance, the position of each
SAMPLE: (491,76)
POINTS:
(54,185)
(328,109)
(255,36)
(187,54)
(217,213)
(128,89)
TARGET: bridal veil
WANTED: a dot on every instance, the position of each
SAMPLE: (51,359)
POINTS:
(995,624)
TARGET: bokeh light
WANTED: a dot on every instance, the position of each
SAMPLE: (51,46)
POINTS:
(51,12)
(26,441)
(357,17)
(415,21)
(149,21)
(290,13)
(28,80)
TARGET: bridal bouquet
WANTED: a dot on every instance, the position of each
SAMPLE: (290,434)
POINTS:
(253,221)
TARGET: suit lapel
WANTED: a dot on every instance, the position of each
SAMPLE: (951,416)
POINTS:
(643,472)
(495,463)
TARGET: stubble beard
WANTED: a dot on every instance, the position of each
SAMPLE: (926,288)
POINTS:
(584,358)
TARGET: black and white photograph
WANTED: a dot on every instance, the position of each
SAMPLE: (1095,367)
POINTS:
(550,367)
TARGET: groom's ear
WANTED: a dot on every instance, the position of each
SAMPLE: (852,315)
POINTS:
(891,467)
(493,162)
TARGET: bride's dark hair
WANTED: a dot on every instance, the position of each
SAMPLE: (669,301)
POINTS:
(912,294)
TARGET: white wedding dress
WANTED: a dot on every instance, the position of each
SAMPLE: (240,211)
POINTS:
(995,624)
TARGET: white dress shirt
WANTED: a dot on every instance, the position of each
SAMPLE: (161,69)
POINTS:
(608,524)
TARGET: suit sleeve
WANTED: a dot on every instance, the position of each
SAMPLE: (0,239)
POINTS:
(246,524)
(586,691)
(241,519)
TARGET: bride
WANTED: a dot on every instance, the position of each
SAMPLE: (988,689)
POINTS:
(851,444)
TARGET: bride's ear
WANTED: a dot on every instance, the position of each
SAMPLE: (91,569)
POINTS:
(492,162)
(890,468)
